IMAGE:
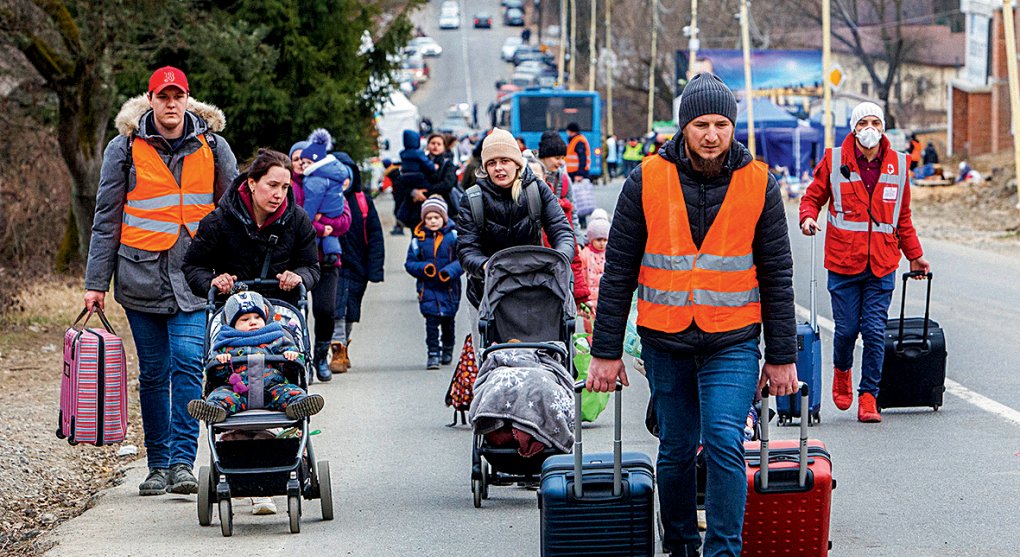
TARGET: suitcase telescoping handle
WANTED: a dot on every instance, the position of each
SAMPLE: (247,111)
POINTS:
(903,307)
(617,441)
(802,476)
(814,284)
(97,310)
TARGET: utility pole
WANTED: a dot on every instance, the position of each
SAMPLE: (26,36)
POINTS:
(592,59)
(563,42)
(573,42)
(826,71)
(651,65)
(693,44)
(1014,84)
(609,67)
(748,94)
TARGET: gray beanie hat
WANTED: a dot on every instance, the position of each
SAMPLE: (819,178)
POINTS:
(705,94)
(244,302)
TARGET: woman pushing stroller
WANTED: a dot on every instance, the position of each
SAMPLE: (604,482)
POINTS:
(514,206)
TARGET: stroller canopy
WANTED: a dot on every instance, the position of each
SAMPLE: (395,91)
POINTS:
(528,294)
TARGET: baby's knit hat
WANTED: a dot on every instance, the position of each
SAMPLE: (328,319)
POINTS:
(319,143)
(435,204)
(244,302)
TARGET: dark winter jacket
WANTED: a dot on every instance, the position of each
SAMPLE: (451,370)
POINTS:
(413,159)
(363,246)
(432,259)
(229,241)
(508,224)
(444,181)
(704,197)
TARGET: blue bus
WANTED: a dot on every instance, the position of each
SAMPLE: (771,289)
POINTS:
(529,113)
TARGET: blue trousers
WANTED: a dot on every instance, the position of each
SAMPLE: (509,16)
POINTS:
(169,375)
(703,398)
(860,306)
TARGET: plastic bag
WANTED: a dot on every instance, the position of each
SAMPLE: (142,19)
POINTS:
(592,404)
(631,340)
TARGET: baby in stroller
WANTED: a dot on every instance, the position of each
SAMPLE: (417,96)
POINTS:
(245,332)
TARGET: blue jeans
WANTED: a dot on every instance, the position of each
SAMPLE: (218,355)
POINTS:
(703,398)
(169,376)
(860,306)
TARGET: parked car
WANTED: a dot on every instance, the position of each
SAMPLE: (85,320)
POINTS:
(426,46)
(450,5)
(526,52)
(513,17)
(523,80)
(509,47)
(508,4)
(414,66)
(483,21)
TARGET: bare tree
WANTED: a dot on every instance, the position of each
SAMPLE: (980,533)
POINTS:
(874,46)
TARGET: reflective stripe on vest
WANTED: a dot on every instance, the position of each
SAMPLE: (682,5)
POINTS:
(158,207)
(574,161)
(715,287)
(837,217)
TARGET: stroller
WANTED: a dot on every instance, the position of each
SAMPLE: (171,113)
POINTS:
(265,464)
(527,297)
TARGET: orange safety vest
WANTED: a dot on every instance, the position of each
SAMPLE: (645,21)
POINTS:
(716,287)
(573,161)
(158,207)
(863,227)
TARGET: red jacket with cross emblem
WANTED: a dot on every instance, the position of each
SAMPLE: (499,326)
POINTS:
(864,230)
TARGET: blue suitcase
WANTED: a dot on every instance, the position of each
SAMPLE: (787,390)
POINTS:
(610,512)
(809,364)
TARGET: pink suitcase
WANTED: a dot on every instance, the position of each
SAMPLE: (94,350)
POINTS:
(93,385)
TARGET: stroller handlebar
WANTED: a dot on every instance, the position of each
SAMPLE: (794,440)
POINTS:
(247,284)
(561,351)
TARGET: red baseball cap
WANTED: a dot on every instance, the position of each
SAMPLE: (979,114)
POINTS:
(167,76)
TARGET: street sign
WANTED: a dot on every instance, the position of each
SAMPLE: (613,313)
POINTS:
(836,76)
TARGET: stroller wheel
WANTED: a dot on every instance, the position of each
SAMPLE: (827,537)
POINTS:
(476,490)
(226,518)
(294,511)
(325,490)
(205,496)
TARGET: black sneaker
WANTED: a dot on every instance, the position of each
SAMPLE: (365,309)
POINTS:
(181,480)
(397,231)
(155,482)
(447,355)
(206,411)
(432,362)
(303,406)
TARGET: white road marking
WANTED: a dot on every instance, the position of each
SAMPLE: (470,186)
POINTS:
(952,387)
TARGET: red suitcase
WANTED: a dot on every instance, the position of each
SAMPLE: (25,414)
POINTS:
(93,386)
(789,493)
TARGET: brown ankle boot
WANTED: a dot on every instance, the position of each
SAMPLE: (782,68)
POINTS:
(336,363)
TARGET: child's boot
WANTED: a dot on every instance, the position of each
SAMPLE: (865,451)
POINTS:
(447,355)
(206,411)
(433,361)
(303,406)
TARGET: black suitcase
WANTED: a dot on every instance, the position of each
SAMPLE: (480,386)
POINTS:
(914,369)
(610,512)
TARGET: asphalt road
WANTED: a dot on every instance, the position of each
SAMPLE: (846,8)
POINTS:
(922,483)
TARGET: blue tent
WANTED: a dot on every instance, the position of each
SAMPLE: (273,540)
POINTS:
(780,137)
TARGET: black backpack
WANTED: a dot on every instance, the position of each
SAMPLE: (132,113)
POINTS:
(474,196)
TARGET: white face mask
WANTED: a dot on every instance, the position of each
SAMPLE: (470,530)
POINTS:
(869,137)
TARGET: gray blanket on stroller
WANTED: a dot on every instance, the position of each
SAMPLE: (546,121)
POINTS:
(530,389)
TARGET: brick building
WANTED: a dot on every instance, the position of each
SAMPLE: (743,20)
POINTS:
(978,115)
